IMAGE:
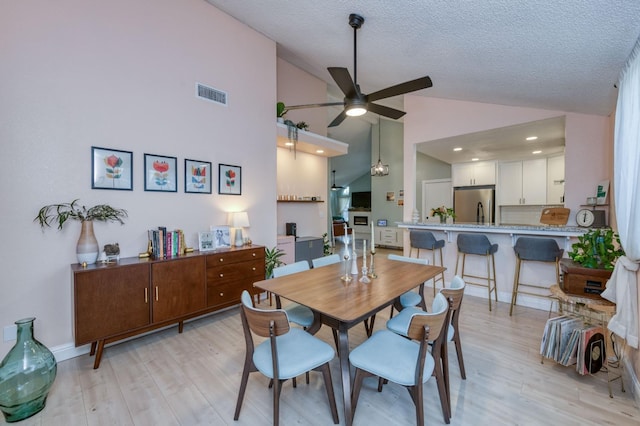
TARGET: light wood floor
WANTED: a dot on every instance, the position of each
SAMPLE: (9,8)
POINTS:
(192,378)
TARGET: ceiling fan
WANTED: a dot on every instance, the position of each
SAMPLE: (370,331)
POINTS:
(357,103)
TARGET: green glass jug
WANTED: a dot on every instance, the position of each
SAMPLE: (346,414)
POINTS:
(26,374)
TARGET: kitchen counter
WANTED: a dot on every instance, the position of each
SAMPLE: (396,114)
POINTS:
(505,236)
(542,230)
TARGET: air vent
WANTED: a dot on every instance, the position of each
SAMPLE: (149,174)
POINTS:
(210,94)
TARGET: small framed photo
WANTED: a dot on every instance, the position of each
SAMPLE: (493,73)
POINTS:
(229,179)
(206,241)
(391,196)
(160,173)
(382,222)
(111,169)
(221,236)
(197,176)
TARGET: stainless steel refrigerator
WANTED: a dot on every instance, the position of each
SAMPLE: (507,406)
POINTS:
(474,204)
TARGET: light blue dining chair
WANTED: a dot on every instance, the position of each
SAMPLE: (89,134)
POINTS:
(287,353)
(297,313)
(326,260)
(411,298)
(404,358)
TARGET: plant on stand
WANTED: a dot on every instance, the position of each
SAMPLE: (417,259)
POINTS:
(87,247)
(443,212)
(596,249)
(272,260)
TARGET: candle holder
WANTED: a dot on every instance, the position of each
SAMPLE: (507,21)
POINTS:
(354,264)
(364,278)
(372,270)
(346,277)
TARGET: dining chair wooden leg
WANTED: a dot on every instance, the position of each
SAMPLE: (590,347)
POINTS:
(243,387)
(328,384)
(456,340)
(276,402)
(441,391)
(355,392)
(417,395)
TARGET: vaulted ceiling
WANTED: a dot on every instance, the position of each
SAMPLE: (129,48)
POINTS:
(560,55)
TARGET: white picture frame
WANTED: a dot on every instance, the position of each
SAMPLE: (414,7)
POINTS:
(221,236)
(206,241)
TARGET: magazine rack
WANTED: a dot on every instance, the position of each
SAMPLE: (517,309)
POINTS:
(594,312)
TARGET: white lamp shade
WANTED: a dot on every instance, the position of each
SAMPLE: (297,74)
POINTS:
(239,220)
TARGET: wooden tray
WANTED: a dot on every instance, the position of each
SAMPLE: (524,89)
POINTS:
(555,216)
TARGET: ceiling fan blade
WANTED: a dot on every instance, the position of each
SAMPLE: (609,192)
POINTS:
(339,119)
(386,111)
(344,81)
(401,89)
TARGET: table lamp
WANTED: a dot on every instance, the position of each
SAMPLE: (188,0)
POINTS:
(239,220)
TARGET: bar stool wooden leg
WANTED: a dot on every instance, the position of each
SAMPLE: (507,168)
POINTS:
(489,280)
(516,281)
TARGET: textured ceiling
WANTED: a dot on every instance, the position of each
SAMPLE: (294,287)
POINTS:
(560,55)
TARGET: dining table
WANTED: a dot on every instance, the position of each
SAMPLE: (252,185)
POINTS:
(342,304)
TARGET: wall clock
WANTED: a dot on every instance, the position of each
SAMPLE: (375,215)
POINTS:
(585,217)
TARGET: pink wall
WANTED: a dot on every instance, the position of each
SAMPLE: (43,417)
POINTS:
(587,139)
(122,74)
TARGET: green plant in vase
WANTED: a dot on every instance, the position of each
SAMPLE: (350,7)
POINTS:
(87,247)
(599,248)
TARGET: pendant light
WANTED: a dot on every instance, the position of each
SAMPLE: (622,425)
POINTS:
(334,187)
(379,169)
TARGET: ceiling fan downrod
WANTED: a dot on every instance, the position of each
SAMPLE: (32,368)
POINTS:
(356,22)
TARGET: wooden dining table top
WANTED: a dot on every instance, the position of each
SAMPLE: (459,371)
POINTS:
(322,289)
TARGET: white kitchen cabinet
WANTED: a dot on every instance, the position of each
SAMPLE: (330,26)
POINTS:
(388,236)
(555,180)
(474,174)
(522,182)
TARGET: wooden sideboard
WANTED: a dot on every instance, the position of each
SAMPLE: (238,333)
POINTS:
(124,299)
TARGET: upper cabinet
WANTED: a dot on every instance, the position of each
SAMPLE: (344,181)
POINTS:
(474,174)
(522,182)
(555,180)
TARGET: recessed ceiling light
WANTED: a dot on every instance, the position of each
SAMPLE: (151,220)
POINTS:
(288,144)
(474,159)
(457,149)
(532,138)
(320,151)
(536,152)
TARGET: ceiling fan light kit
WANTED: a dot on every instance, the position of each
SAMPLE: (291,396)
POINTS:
(357,103)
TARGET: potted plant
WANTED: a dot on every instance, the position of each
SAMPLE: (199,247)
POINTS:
(281,110)
(596,249)
(591,261)
(87,247)
(443,212)
(272,260)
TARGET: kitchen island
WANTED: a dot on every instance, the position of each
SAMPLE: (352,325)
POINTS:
(505,236)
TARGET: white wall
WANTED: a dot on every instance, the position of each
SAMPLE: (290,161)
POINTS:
(304,175)
(587,139)
(122,74)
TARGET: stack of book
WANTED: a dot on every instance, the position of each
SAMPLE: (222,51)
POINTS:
(166,244)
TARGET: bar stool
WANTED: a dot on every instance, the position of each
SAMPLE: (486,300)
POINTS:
(536,250)
(478,244)
(421,239)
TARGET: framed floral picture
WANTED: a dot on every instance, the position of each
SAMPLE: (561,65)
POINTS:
(111,169)
(197,176)
(160,173)
(229,179)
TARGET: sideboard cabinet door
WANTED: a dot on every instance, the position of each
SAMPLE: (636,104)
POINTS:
(177,287)
(110,301)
